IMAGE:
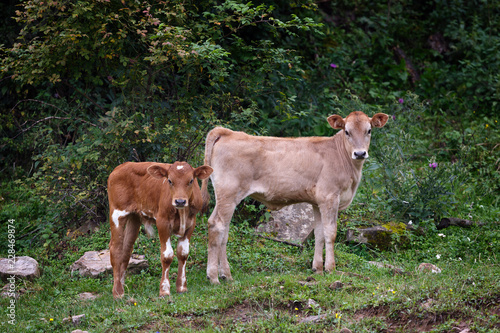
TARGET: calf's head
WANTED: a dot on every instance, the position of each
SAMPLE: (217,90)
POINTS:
(180,177)
(357,128)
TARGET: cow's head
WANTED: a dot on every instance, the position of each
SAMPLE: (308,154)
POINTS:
(180,177)
(357,128)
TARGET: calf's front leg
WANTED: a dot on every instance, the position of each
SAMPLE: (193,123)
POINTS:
(329,212)
(182,255)
(166,257)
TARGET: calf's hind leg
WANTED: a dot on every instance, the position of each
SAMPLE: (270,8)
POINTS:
(123,237)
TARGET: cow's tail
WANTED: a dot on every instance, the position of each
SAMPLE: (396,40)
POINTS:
(212,137)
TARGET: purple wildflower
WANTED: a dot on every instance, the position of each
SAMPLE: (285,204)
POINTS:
(433,165)
(401,101)
(333,65)
(393,117)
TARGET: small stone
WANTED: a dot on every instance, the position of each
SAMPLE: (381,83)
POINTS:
(87,296)
(425,267)
(76,320)
(336,285)
(311,304)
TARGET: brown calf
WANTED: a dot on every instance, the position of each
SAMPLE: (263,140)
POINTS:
(167,195)
(323,171)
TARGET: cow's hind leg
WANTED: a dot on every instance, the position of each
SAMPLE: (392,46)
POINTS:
(319,242)
(123,237)
(218,231)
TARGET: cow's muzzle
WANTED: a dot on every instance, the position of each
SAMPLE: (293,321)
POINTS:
(360,155)
(180,203)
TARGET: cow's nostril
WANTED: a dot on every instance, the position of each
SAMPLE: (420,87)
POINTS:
(180,203)
(360,154)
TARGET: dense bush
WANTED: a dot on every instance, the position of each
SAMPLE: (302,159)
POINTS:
(89,85)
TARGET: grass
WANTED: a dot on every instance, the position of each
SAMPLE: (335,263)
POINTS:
(272,286)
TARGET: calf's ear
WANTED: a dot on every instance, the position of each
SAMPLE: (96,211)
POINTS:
(379,120)
(336,121)
(157,171)
(203,172)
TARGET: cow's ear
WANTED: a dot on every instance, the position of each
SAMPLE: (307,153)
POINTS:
(203,172)
(336,122)
(379,120)
(157,171)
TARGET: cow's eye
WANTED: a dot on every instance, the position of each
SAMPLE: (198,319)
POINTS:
(347,132)
(370,131)
(170,182)
(191,181)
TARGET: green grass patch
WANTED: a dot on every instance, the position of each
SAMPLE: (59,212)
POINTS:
(273,287)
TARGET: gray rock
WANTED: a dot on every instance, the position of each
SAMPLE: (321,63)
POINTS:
(377,236)
(95,263)
(294,223)
(20,267)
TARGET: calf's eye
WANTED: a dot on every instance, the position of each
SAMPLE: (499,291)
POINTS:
(170,182)
(370,131)
(346,132)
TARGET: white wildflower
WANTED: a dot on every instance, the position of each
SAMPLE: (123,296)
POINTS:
(442,235)
(438,256)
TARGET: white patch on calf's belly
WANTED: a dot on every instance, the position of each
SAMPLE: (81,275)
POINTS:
(117,214)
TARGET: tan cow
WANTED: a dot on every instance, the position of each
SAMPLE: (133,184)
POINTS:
(323,171)
(167,195)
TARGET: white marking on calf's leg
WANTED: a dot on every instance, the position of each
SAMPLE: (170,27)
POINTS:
(166,283)
(117,214)
(184,245)
(169,252)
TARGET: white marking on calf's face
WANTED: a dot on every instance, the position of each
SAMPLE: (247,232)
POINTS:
(116,216)
(179,167)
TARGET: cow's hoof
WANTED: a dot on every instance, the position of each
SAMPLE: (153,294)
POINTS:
(213,281)
(317,270)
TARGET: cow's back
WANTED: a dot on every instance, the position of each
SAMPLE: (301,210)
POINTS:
(277,171)
(130,187)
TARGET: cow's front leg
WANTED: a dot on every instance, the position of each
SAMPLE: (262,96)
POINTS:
(319,242)
(167,256)
(182,255)
(329,211)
